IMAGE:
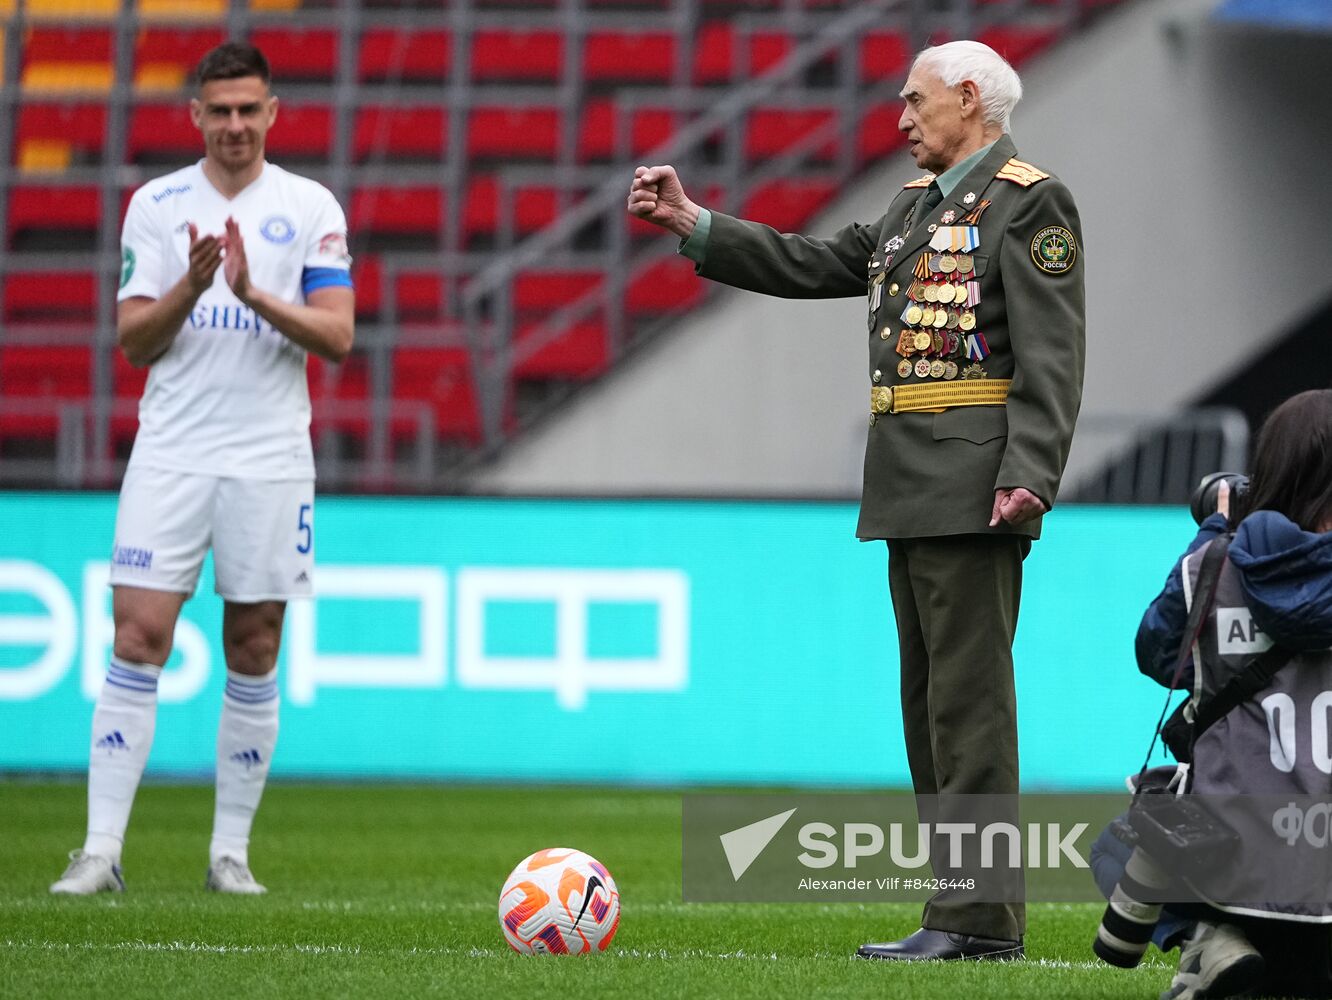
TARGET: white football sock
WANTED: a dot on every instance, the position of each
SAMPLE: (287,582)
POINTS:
(122,735)
(246,736)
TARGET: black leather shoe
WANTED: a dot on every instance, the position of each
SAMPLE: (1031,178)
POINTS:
(943,946)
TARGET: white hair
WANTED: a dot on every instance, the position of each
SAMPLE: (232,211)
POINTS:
(998,83)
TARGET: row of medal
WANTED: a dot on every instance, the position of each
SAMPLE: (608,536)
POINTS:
(939,318)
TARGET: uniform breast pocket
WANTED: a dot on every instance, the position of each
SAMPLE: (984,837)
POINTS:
(977,424)
(979,262)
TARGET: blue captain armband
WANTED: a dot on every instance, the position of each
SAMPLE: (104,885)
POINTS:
(315,278)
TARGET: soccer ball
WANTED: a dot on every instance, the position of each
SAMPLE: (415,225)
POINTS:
(559,901)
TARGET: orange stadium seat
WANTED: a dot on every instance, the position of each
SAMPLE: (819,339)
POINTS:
(517,55)
(67,58)
(513,133)
(389,54)
(398,133)
(629,57)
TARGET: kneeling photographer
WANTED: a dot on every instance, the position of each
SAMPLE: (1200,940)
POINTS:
(1244,623)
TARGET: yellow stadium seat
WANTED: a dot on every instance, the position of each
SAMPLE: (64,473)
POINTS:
(58,9)
(182,8)
(68,77)
(275,4)
(43,156)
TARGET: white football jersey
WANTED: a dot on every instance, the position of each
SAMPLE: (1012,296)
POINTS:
(229,397)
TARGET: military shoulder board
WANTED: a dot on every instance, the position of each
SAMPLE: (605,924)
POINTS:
(920,182)
(1023,174)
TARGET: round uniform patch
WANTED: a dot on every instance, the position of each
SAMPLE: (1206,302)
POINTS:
(1054,250)
(278,229)
(127,261)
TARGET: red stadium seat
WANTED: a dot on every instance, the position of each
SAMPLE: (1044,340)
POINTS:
(181,48)
(884,55)
(600,126)
(299,54)
(1017,43)
(399,211)
(81,126)
(161,131)
(541,292)
(578,352)
(441,377)
(127,384)
(788,204)
(772,131)
(301,132)
(879,135)
(367,273)
(667,286)
(50,42)
(58,297)
(533,207)
(513,133)
(390,54)
(516,55)
(35,207)
(717,59)
(41,372)
(629,57)
(397,133)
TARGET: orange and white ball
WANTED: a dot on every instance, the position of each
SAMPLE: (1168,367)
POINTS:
(559,902)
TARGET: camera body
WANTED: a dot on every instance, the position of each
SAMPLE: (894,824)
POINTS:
(1203,502)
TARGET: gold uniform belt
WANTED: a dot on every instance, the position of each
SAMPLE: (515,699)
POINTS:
(934,397)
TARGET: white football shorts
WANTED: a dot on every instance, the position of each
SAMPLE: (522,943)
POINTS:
(261,533)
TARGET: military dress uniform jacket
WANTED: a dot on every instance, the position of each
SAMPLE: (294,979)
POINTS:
(935,473)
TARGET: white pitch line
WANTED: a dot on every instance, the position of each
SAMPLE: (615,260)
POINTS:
(199,947)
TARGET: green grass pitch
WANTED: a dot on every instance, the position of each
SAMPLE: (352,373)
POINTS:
(391,892)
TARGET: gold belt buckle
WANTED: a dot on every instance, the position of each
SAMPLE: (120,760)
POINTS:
(881,399)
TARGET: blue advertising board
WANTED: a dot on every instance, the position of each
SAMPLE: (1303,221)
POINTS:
(662,641)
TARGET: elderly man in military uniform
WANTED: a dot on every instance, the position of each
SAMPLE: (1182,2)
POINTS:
(974,279)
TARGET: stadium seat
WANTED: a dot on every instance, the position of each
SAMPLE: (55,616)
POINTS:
(55,136)
(878,133)
(508,133)
(67,58)
(302,133)
(1018,43)
(884,55)
(164,57)
(629,57)
(601,123)
(43,372)
(517,56)
(441,377)
(580,351)
(71,213)
(533,207)
(400,133)
(389,54)
(300,54)
(541,292)
(51,297)
(772,131)
(788,204)
(666,286)
(127,384)
(389,211)
(162,133)
(718,60)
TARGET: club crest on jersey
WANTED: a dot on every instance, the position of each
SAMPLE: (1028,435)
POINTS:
(278,229)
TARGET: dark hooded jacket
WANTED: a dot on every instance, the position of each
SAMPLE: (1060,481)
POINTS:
(1285,573)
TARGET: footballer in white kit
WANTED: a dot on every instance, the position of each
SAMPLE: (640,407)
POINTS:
(232,271)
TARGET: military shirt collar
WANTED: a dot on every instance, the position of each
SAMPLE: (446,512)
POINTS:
(952,177)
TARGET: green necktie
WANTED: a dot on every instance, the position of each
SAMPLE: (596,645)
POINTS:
(933,197)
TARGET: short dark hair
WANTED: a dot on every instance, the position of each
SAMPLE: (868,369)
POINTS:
(1292,461)
(231,61)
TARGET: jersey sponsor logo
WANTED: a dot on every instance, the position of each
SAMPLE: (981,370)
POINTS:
(228,318)
(166,193)
(127,262)
(133,558)
(278,229)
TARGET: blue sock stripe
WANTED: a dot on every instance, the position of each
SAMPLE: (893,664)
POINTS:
(131,676)
(251,693)
(151,689)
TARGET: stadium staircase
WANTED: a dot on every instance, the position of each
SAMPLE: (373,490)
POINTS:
(483,151)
